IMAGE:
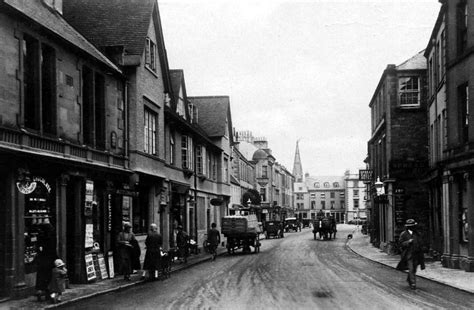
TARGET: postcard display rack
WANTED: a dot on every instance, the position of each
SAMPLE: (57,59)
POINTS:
(96,268)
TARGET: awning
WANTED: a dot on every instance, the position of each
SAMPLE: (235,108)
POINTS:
(236,206)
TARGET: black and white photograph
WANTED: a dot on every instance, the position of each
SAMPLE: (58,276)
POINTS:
(237,154)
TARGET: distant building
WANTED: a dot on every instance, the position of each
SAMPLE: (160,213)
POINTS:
(326,194)
(356,196)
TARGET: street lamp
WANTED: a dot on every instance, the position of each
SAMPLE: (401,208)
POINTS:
(379,187)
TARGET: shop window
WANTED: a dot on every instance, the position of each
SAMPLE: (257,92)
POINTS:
(263,194)
(140,213)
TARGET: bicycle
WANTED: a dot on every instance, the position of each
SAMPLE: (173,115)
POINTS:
(206,245)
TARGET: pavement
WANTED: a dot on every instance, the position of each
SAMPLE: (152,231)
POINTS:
(434,271)
(77,292)
(359,244)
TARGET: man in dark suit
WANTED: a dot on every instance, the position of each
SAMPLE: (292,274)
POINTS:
(412,253)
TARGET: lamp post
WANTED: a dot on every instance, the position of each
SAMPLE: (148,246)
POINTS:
(379,187)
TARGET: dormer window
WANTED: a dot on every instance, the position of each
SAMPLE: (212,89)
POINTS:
(150,55)
(326,184)
(193,113)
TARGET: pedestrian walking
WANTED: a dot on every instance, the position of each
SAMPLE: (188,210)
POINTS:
(57,286)
(182,242)
(412,254)
(153,243)
(45,258)
(124,241)
(214,238)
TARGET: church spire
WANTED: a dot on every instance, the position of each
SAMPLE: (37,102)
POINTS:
(297,167)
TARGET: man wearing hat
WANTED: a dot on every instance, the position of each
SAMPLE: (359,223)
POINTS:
(412,253)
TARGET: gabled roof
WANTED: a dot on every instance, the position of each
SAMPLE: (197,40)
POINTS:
(417,62)
(40,13)
(112,22)
(213,112)
(177,82)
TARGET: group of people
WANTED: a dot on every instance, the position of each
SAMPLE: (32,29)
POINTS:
(51,272)
(129,249)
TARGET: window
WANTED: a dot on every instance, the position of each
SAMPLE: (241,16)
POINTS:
(356,203)
(186,152)
(150,54)
(326,184)
(263,194)
(313,205)
(200,159)
(332,205)
(172,149)
(323,205)
(342,204)
(409,91)
(332,195)
(151,118)
(356,192)
(316,185)
(313,195)
(39,68)
(323,195)
(443,55)
(93,108)
(335,184)
(462,22)
(341,194)
(463,98)
(226,170)
(299,196)
(264,172)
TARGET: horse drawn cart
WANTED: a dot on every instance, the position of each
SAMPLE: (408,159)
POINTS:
(325,226)
(241,231)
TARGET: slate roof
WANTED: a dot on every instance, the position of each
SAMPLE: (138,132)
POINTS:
(417,62)
(176,76)
(112,22)
(54,22)
(323,179)
(212,114)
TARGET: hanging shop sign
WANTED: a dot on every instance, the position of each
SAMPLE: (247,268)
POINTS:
(366,175)
(126,208)
(109,212)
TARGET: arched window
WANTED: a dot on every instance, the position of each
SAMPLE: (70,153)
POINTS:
(316,184)
(335,184)
(326,184)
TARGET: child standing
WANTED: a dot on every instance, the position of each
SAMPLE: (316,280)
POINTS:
(58,280)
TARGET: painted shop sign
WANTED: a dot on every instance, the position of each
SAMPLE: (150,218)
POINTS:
(27,187)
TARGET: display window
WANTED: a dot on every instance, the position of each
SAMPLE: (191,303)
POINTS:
(39,215)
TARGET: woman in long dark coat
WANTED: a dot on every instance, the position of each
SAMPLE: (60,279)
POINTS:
(45,259)
(124,241)
(412,254)
(153,244)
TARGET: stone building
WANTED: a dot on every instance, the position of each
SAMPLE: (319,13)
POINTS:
(63,143)
(397,151)
(435,178)
(457,161)
(326,194)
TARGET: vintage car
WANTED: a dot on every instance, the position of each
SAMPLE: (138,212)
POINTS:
(273,229)
(292,224)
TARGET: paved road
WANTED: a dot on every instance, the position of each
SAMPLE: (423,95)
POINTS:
(295,272)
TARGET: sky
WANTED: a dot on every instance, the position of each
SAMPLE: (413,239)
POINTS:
(296,70)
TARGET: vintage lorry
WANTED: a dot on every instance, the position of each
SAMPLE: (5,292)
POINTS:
(241,231)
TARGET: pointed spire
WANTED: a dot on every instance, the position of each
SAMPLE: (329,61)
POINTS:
(297,167)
